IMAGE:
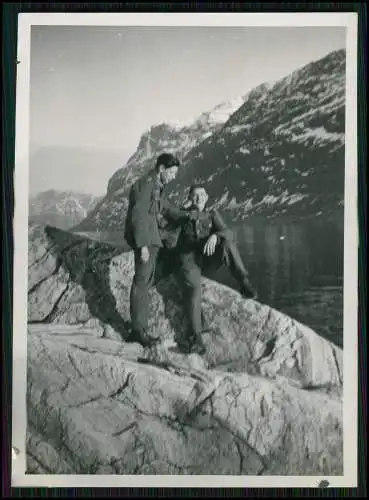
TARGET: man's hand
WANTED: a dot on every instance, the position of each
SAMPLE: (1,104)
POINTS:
(192,215)
(209,247)
(145,254)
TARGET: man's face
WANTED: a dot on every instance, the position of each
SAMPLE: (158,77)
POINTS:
(199,198)
(168,174)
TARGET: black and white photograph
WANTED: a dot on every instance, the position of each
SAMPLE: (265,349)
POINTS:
(185,273)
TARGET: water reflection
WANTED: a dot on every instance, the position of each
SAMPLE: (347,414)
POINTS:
(297,268)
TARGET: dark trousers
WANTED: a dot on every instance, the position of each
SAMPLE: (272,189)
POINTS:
(143,280)
(193,264)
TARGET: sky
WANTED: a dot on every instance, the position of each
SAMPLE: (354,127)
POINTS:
(99,88)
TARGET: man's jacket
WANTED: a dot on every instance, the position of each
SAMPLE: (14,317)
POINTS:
(151,219)
(200,226)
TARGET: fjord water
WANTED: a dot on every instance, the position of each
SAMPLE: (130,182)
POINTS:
(297,267)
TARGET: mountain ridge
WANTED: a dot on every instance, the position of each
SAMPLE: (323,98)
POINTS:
(282,135)
(281,153)
(62,209)
(170,137)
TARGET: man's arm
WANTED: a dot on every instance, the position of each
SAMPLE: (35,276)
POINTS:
(141,200)
(173,213)
(220,228)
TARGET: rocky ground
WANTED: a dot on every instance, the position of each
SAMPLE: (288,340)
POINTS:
(266,398)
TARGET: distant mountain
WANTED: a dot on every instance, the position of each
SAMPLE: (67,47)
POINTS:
(280,152)
(61,209)
(169,137)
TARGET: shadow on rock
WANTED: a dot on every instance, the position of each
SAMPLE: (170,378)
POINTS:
(88,264)
(168,285)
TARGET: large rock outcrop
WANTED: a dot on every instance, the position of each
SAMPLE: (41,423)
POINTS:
(264,399)
(95,408)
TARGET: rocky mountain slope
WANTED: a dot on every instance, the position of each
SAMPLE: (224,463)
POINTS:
(266,397)
(169,137)
(281,152)
(61,209)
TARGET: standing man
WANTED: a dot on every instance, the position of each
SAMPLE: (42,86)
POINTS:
(205,243)
(150,224)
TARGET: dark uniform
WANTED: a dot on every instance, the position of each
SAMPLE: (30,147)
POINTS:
(151,221)
(193,263)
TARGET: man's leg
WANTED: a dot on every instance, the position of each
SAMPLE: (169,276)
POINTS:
(139,299)
(227,253)
(191,282)
(166,264)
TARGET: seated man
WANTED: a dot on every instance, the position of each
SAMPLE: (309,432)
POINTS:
(205,242)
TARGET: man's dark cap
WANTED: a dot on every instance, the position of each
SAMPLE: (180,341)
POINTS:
(167,160)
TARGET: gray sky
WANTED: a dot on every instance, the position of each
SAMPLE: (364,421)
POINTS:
(101,87)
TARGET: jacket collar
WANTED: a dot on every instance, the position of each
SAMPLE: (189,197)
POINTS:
(158,183)
(155,180)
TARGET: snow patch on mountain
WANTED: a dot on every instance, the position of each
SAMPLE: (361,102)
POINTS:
(284,132)
(281,151)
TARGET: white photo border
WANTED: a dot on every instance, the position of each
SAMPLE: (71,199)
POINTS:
(349,478)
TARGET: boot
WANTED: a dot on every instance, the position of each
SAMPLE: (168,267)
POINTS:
(142,338)
(198,346)
(247,290)
(185,344)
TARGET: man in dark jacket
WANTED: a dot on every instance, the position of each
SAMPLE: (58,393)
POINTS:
(205,243)
(150,224)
